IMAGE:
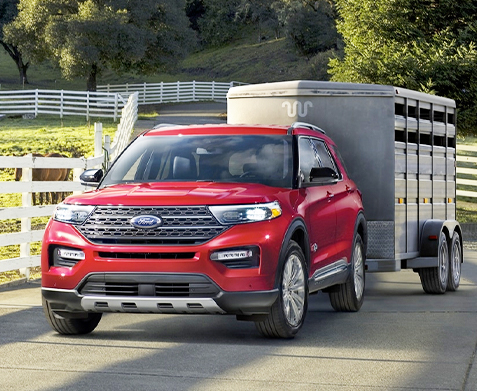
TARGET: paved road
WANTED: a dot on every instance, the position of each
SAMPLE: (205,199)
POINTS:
(401,340)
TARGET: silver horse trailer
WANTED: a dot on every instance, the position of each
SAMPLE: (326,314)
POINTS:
(400,148)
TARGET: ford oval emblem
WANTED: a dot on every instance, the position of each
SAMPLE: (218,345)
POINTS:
(146,221)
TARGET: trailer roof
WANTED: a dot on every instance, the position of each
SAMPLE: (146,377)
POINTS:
(327,88)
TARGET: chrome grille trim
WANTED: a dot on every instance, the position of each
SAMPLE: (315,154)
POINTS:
(181,225)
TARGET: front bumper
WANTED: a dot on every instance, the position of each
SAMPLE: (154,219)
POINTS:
(147,294)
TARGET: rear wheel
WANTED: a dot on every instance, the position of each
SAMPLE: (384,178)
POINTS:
(73,326)
(288,312)
(350,295)
(455,263)
(434,279)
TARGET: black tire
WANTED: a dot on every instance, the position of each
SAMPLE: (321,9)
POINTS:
(349,296)
(288,312)
(455,263)
(434,279)
(74,326)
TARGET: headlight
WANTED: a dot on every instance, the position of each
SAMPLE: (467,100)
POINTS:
(72,214)
(236,214)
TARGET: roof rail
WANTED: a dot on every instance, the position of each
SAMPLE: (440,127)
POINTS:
(295,125)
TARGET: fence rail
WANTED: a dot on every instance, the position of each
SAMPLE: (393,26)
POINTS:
(27,186)
(466,171)
(62,103)
(193,91)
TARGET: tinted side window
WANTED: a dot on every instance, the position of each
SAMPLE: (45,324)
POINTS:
(324,155)
(313,153)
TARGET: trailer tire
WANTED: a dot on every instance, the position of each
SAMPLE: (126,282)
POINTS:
(72,326)
(350,295)
(434,279)
(455,263)
(287,314)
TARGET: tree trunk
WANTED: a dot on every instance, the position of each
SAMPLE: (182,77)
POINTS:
(16,56)
(91,82)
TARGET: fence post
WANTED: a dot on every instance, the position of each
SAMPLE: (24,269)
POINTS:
(116,102)
(98,139)
(162,89)
(107,152)
(213,90)
(178,91)
(193,90)
(61,104)
(36,102)
(27,176)
(87,106)
(145,92)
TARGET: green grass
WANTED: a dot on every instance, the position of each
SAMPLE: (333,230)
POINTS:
(71,136)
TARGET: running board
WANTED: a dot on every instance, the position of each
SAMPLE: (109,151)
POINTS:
(333,274)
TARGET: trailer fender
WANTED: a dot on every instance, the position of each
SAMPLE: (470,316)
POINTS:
(431,232)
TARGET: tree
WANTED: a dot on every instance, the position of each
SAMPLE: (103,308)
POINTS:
(8,11)
(218,23)
(426,45)
(194,10)
(259,12)
(86,37)
(310,25)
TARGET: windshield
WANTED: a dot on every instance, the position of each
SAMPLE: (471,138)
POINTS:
(229,158)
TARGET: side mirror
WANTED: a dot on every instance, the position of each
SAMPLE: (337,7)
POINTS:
(91,177)
(323,175)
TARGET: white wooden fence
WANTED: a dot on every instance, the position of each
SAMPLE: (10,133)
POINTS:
(60,102)
(466,171)
(109,99)
(190,91)
(103,154)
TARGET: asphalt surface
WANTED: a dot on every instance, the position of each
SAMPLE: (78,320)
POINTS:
(401,339)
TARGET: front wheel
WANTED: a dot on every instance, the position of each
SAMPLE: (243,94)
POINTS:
(73,326)
(350,295)
(288,312)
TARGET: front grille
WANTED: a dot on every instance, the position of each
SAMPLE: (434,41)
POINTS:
(149,285)
(181,225)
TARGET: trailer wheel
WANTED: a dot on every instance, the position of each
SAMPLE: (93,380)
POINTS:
(350,295)
(434,279)
(73,326)
(288,312)
(455,263)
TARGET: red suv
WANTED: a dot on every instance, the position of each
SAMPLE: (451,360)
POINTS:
(214,219)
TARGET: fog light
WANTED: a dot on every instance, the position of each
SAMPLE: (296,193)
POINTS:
(77,255)
(238,258)
(66,257)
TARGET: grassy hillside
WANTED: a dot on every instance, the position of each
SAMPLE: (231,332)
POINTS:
(244,60)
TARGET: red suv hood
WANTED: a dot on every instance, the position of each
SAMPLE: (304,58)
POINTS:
(184,193)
